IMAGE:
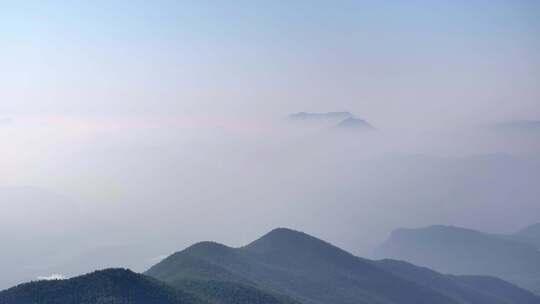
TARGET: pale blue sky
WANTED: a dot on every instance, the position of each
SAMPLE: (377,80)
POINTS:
(434,60)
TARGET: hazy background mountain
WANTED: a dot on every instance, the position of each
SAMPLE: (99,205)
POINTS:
(463,251)
(325,121)
(529,234)
(355,124)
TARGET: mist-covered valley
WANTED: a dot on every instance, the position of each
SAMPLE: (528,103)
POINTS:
(129,195)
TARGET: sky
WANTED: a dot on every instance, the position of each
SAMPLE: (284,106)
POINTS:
(402,64)
(131,129)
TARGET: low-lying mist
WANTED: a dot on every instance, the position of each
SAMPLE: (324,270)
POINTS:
(98,195)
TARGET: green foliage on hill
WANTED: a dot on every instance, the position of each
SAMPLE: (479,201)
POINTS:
(299,266)
(282,267)
(119,286)
(222,292)
(309,270)
(111,286)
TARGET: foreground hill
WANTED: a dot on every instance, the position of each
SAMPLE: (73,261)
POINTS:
(312,271)
(296,265)
(464,251)
(111,286)
(282,267)
(119,286)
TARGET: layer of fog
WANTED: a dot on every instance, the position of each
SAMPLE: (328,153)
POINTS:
(126,195)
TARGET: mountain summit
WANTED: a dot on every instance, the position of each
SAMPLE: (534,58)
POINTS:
(289,240)
(354,123)
(294,266)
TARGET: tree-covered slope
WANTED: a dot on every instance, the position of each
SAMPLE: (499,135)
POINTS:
(309,270)
(223,292)
(111,286)
(282,267)
(204,270)
(299,266)
(119,286)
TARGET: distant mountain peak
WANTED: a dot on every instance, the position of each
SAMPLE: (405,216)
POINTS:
(336,120)
(354,123)
(304,116)
(459,250)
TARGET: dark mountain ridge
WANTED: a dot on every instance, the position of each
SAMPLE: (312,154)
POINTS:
(282,267)
(310,270)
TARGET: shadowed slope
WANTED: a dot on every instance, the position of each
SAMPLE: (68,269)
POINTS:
(302,267)
(312,271)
